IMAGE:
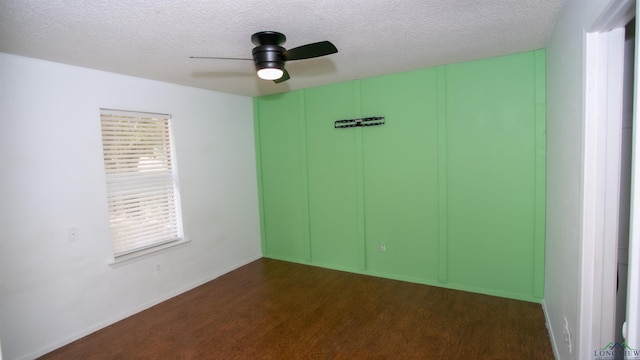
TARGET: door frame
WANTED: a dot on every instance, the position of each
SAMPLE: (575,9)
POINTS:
(631,328)
(602,132)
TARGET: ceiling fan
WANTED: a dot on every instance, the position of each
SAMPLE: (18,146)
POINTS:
(269,56)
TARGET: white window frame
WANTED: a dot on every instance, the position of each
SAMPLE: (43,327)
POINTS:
(154,221)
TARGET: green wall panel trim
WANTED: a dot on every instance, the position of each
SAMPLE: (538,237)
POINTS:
(306,222)
(453,184)
(256,134)
(442,175)
(541,175)
(360,195)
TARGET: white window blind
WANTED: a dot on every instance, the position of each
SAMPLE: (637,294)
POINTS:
(140,172)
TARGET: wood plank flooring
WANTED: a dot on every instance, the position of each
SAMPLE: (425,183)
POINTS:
(271,309)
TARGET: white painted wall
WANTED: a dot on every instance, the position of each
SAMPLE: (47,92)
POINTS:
(565,133)
(53,291)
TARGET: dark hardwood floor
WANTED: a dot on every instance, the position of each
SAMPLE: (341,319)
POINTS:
(271,309)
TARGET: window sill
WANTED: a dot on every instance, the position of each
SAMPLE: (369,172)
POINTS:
(144,252)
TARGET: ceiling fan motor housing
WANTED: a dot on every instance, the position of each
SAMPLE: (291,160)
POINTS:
(269,57)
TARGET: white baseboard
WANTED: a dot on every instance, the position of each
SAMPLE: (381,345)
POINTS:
(69,339)
(554,346)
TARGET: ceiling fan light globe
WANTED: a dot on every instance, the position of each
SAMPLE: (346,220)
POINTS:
(270,73)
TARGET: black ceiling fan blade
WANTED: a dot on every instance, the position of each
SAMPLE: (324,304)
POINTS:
(217,58)
(309,51)
(285,77)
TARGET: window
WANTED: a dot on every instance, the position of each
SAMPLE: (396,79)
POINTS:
(144,206)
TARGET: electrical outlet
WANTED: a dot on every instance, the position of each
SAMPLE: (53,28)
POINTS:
(383,247)
(567,335)
(72,234)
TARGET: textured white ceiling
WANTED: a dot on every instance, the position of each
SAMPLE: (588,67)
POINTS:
(154,38)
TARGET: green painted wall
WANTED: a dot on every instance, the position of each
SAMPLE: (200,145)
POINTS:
(452,185)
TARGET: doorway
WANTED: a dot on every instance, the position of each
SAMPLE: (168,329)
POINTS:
(625,178)
(608,220)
